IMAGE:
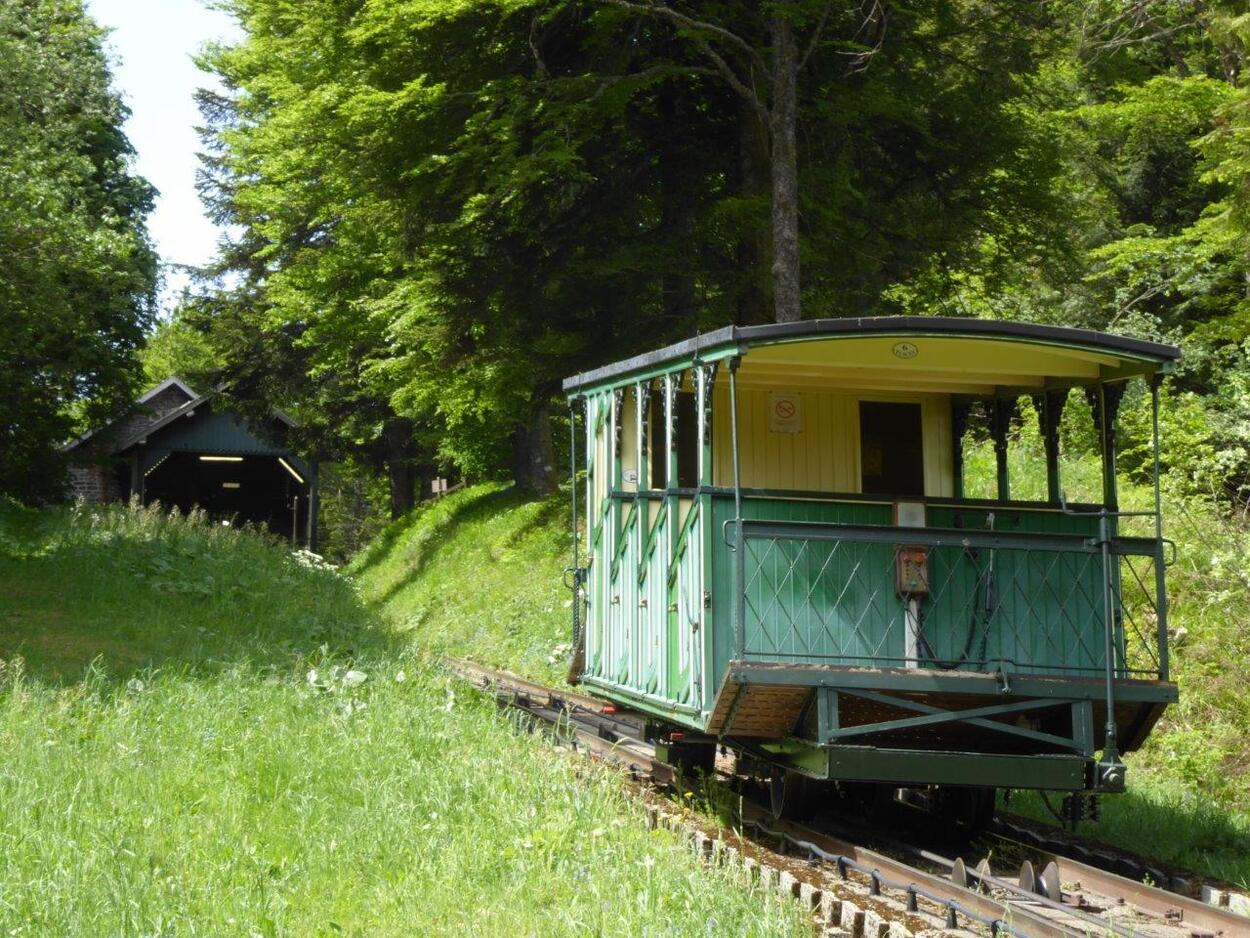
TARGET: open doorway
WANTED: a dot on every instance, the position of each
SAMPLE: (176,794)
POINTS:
(891,448)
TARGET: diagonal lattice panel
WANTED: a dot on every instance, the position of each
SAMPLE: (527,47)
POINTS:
(836,600)
(820,600)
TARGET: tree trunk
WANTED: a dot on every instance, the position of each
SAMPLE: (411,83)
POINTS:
(400,465)
(784,115)
(754,251)
(533,458)
(677,292)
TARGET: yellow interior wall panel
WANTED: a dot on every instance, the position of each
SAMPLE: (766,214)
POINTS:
(823,455)
(629,441)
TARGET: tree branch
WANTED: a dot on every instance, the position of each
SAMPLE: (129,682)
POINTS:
(731,77)
(876,14)
(815,40)
(538,58)
(687,22)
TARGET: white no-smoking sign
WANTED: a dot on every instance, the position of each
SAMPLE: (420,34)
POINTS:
(785,412)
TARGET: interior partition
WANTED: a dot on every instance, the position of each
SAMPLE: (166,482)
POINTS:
(804,438)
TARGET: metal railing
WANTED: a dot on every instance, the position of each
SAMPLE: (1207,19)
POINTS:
(982,601)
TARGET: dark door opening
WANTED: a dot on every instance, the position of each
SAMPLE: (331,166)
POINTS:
(233,489)
(891,447)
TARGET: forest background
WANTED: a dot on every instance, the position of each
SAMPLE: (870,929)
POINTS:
(438,210)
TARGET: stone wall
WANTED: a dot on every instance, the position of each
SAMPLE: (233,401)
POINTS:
(93,483)
(93,479)
(147,413)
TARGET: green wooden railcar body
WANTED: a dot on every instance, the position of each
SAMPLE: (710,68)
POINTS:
(749,578)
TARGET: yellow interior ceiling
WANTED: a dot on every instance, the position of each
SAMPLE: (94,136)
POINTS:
(955,365)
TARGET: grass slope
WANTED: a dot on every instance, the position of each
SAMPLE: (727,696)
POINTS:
(204,736)
(479,574)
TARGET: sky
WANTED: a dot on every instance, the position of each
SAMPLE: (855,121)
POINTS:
(151,47)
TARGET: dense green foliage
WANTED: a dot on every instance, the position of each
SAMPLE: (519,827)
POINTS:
(445,208)
(77,274)
(204,735)
(175,347)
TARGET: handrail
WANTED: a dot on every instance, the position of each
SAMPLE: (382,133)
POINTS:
(943,537)
(856,498)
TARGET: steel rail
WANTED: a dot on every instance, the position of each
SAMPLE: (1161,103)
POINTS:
(1170,905)
(1020,917)
(1172,909)
(584,718)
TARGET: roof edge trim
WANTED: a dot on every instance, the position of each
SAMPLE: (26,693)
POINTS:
(866,326)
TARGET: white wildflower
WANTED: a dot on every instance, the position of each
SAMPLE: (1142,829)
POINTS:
(354,678)
(135,686)
(400,677)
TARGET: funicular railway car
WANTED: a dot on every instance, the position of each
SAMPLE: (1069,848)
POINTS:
(779,558)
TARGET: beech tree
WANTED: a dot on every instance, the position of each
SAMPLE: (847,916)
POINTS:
(444,209)
(78,275)
(767,79)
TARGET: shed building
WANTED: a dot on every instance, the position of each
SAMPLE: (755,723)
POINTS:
(185,450)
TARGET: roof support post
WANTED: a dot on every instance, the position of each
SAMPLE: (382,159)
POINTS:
(707,384)
(1105,402)
(1049,414)
(738,544)
(1002,412)
(1161,593)
(959,426)
(646,441)
(672,384)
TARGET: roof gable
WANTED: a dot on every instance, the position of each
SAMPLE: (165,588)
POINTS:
(172,383)
(160,407)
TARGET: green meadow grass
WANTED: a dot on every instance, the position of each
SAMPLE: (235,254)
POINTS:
(479,573)
(204,736)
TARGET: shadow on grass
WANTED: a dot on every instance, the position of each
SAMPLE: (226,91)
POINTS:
(123,591)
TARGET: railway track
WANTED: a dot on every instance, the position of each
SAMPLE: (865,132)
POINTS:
(900,889)
(1023,831)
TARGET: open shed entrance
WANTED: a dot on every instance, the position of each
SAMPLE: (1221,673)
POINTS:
(234,489)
